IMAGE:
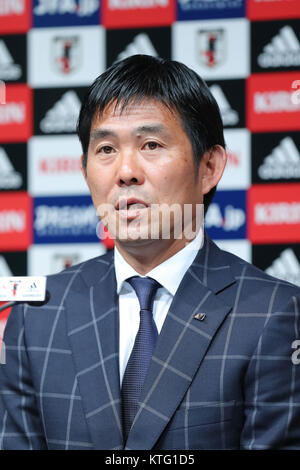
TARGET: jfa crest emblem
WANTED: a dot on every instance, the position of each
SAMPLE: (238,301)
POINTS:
(66,54)
(211,47)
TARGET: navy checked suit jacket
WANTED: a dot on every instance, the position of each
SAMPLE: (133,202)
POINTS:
(227,381)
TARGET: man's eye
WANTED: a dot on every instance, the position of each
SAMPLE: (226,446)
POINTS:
(105,149)
(151,145)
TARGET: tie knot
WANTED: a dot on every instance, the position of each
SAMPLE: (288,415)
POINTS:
(145,289)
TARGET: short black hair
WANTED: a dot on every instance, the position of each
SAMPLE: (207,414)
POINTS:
(170,82)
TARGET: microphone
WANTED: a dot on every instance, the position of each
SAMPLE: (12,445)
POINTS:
(33,303)
(7,305)
(40,303)
(20,289)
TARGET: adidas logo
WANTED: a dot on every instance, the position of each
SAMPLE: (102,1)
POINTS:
(8,69)
(282,51)
(283,162)
(9,178)
(230,117)
(4,268)
(141,44)
(62,117)
(286,267)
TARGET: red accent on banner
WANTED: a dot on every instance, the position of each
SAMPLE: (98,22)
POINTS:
(15,221)
(273,9)
(115,14)
(15,16)
(273,103)
(16,114)
(274,213)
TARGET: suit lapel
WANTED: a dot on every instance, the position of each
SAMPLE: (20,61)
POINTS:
(93,330)
(182,344)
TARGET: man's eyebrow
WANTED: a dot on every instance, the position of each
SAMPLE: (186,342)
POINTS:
(102,134)
(151,128)
(97,134)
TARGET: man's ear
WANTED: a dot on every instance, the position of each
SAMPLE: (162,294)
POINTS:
(212,166)
(82,167)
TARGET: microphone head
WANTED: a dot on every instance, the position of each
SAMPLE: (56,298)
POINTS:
(40,303)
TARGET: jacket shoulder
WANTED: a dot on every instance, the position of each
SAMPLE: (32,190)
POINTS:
(87,272)
(243,270)
(103,260)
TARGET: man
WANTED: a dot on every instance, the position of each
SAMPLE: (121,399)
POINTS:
(208,360)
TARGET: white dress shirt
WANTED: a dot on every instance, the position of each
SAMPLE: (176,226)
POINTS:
(169,274)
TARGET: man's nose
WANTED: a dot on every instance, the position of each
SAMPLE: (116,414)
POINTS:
(130,169)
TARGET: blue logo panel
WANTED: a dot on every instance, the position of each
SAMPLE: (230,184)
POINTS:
(68,219)
(66,13)
(226,216)
(208,9)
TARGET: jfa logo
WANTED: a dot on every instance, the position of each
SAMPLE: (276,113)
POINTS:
(66,53)
(15,286)
(211,47)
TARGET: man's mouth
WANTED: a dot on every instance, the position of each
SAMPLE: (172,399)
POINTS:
(130,208)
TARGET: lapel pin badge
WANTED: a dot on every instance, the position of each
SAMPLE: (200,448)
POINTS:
(200,316)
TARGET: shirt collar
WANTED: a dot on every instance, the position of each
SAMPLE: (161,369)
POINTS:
(169,273)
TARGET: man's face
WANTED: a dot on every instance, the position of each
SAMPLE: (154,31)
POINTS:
(138,161)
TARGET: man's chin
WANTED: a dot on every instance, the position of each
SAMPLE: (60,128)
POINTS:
(132,236)
(132,231)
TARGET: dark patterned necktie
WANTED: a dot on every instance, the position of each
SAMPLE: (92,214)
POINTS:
(139,360)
